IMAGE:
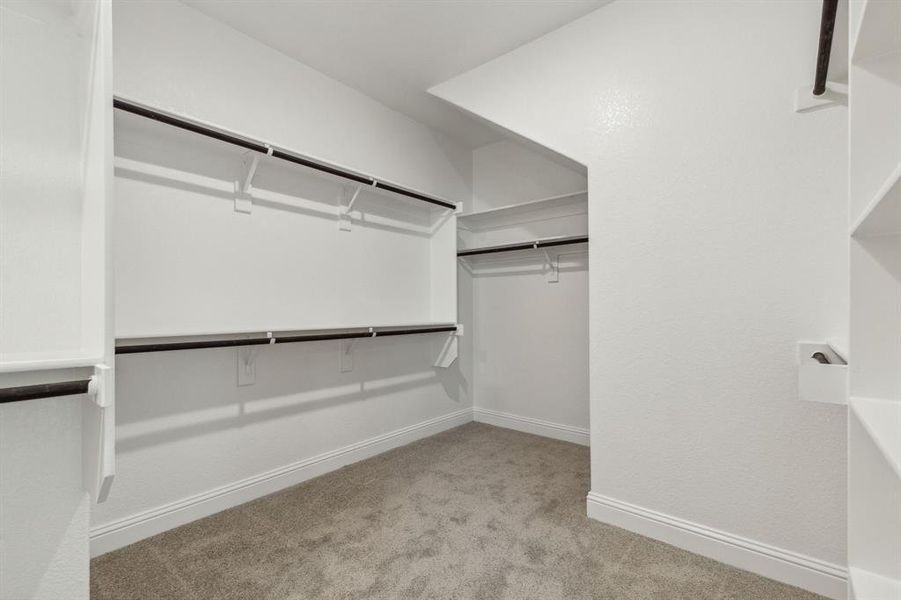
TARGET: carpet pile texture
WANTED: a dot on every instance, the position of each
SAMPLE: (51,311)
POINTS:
(477,512)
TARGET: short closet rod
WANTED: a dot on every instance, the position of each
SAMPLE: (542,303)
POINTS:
(44,390)
(525,246)
(278,339)
(827,28)
(821,358)
(281,154)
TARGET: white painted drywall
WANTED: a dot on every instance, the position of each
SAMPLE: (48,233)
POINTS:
(509,172)
(717,226)
(44,510)
(40,215)
(241,84)
(46,85)
(529,337)
(187,263)
(185,429)
(393,51)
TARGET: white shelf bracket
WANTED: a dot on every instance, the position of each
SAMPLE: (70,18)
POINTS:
(101,385)
(449,350)
(445,217)
(353,198)
(247,362)
(836,94)
(244,185)
(344,218)
(553,267)
(99,430)
(822,373)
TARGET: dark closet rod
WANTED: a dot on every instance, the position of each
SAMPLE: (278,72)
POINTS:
(279,339)
(44,390)
(525,245)
(262,148)
(821,358)
(827,27)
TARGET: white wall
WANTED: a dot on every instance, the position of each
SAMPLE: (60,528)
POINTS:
(188,263)
(512,172)
(46,65)
(529,337)
(191,441)
(248,87)
(717,222)
(40,229)
(44,509)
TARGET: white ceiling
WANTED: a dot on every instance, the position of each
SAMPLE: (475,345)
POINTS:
(395,50)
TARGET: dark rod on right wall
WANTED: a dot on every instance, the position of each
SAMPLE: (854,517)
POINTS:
(545,243)
(827,27)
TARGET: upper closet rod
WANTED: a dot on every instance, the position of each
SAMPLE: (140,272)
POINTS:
(827,27)
(581,239)
(44,390)
(369,332)
(262,148)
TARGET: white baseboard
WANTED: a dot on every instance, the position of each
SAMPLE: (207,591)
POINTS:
(567,433)
(789,567)
(782,565)
(110,536)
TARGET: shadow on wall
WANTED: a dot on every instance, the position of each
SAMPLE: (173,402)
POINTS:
(168,157)
(169,396)
(185,408)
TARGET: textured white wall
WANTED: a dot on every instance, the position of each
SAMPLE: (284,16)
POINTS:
(40,194)
(718,228)
(529,337)
(174,57)
(44,509)
(184,427)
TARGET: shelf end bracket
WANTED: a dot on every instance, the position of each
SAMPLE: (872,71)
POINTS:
(244,185)
(553,267)
(449,349)
(344,218)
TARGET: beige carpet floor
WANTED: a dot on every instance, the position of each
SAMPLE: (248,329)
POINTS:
(476,512)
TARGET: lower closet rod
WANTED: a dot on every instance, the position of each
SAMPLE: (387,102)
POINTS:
(44,390)
(546,243)
(274,339)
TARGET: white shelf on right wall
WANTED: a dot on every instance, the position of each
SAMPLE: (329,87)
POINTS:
(559,216)
(874,435)
(868,585)
(876,29)
(559,206)
(882,421)
(882,216)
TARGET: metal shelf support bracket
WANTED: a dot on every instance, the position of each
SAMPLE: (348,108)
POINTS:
(250,160)
(553,267)
(344,218)
(449,349)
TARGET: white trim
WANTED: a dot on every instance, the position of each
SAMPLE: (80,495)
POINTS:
(796,569)
(783,565)
(49,362)
(557,431)
(110,536)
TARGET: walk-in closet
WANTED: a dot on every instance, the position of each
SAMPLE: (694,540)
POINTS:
(488,300)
